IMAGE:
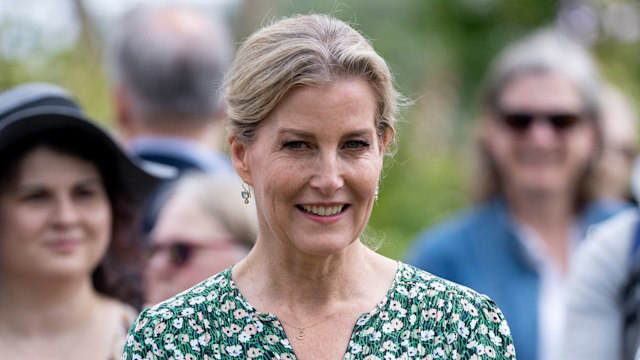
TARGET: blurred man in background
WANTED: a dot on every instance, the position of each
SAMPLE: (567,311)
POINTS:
(167,64)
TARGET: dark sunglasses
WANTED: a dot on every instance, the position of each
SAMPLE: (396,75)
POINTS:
(180,252)
(522,121)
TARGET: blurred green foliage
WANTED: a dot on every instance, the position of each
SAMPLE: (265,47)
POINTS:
(438,51)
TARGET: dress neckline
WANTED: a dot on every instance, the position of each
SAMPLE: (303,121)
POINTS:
(362,319)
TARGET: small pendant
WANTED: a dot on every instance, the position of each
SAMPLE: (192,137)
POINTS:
(300,335)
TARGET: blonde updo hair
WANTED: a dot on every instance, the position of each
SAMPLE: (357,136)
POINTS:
(304,50)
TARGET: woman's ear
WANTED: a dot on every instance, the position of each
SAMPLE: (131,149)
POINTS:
(387,139)
(384,143)
(239,153)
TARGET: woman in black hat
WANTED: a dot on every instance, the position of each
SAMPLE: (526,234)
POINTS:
(69,201)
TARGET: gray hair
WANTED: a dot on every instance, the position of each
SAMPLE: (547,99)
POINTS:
(546,50)
(304,50)
(172,60)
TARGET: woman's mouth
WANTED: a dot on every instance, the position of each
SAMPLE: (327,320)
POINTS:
(323,210)
(64,245)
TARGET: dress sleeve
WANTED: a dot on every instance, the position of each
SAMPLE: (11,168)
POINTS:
(483,332)
(140,342)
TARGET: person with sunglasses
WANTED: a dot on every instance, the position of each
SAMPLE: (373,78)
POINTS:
(538,140)
(201,230)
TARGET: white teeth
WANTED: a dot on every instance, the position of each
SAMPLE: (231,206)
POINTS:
(321,210)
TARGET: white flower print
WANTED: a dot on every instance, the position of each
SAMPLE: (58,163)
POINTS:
(411,351)
(402,313)
(259,326)
(413,292)
(402,290)
(427,335)
(286,343)
(244,337)
(197,300)
(234,350)
(388,328)
(438,353)
(362,320)
(195,345)
(504,328)
(496,340)
(376,336)
(177,323)
(389,356)
(451,338)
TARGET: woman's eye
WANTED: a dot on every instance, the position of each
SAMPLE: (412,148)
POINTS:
(356,144)
(294,145)
(35,197)
(83,193)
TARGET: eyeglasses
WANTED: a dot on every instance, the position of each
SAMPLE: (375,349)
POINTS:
(521,122)
(181,252)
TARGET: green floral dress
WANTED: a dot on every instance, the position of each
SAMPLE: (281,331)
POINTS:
(421,317)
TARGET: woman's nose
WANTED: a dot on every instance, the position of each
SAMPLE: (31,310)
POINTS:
(328,177)
(65,211)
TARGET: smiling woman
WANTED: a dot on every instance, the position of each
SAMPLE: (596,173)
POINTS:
(68,199)
(312,113)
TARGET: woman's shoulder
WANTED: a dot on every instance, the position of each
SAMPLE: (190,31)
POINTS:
(434,286)
(186,315)
(198,297)
(452,311)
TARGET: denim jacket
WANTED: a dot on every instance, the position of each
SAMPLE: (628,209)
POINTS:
(479,249)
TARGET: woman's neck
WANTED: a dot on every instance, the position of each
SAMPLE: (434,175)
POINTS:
(45,306)
(277,281)
(301,279)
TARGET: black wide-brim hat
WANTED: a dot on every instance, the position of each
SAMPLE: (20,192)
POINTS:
(37,108)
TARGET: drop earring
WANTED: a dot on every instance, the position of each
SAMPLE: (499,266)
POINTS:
(246,193)
(377,191)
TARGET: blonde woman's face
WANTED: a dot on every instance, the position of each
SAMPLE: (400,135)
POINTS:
(314,167)
(55,219)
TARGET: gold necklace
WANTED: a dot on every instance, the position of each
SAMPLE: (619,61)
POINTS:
(301,335)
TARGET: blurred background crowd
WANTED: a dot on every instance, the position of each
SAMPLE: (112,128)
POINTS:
(472,104)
